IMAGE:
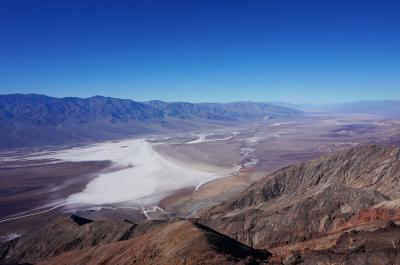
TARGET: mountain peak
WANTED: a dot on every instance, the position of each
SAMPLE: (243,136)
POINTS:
(73,120)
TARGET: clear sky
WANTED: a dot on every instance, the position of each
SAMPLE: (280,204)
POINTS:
(204,50)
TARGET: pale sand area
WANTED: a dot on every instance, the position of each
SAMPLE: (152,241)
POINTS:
(144,177)
(260,151)
(190,203)
(171,168)
(219,153)
(202,138)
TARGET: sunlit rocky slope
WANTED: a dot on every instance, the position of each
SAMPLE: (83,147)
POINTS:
(339,209)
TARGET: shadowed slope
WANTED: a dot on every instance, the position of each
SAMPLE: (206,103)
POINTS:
(78,241)
(311,199)
(63,234)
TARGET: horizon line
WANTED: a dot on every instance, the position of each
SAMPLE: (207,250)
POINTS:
(276,102)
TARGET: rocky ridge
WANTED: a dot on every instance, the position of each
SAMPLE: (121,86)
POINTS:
(75,240)
(342,208)
(311,199)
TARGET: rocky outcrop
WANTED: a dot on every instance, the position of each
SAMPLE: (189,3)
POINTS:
(380,246)
(175,242)
(178,242)
(311,199)
(339,209)
(63,234)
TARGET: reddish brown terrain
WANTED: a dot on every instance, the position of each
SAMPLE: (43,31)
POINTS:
(309,205)
(75,240)
(341,208)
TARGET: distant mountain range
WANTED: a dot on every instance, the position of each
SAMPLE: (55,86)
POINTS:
(384,108)
(32,120)
(28,120)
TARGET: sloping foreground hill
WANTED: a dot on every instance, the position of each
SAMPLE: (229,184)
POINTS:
(33,120)
(339,209)
(78,241)
(74,240)
(356,188)
(380,246)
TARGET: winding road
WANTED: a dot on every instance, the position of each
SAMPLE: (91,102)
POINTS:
(36,213)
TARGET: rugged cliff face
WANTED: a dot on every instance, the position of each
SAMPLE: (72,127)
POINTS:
(311,199)
(357,247)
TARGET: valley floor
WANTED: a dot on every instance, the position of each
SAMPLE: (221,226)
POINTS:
(164,176)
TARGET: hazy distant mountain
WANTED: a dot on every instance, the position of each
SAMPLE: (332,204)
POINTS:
(184,110)
(223,111)
(39,109)
(31,119)
(385,108)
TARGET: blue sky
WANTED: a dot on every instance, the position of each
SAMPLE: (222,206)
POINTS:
(297,51)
